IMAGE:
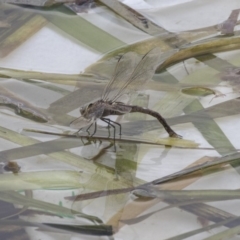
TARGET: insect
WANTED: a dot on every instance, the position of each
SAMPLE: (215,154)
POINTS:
(130,73)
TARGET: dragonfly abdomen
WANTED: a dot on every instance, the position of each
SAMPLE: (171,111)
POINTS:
(159,118)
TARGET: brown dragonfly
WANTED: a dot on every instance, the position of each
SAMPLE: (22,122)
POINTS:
(130,74)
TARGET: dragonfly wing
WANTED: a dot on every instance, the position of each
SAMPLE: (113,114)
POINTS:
(142,73)
(81,122)
(119,107)
(123,70)
(131,73)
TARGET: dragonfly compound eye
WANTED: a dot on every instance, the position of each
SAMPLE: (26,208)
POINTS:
(90,105)
(83,110)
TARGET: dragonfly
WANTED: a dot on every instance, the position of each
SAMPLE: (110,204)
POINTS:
(130,74)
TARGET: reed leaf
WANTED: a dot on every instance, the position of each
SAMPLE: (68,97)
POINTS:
(21,35)
(98,230)
(212,46)
(227,234)
(135,18)
(204,229)
(40,180)
(17,198)
(73,26)
(68,79)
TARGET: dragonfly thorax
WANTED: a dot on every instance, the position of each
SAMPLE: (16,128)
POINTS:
(92,110)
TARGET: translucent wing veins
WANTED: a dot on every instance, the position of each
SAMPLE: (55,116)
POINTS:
(131,73)
(81,122)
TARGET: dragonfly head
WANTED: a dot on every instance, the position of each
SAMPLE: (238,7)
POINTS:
(84,110)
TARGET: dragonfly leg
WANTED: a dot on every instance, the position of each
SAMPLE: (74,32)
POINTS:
(111,123)
(108,121)
(120,127)
(108,127)
(79,130)
(95,128)
(87,130)
(85,143)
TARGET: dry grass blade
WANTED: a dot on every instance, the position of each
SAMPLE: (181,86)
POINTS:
(175,176)
(207,164)
(204,229)
(190,195)
(95,230)
(21,106)
(17,198)
(98,230)
(37,148)
(72,25)
(227,234)
(40,180)
(211,131)
(198,91)
(213,46)
(68,79)
(31,2)
(135,18)
(21,35)
(181,143)
(178,204)
(200,209)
